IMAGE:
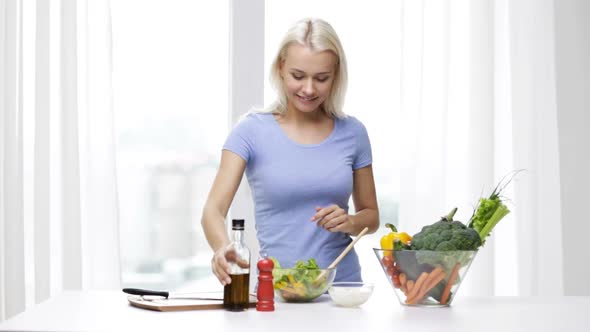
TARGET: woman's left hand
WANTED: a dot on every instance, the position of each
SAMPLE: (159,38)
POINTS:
(333,219)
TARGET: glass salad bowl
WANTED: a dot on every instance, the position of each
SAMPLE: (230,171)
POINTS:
(424,277)
(301,285)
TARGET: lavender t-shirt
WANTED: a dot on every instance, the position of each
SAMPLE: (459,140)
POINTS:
(288,180)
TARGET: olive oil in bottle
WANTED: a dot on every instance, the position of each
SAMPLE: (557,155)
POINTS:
(236,294)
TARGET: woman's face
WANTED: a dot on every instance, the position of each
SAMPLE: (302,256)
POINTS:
(307,76)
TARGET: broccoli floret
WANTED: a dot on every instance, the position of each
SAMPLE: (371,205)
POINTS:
(446,236)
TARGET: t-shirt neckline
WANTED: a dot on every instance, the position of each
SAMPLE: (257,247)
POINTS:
(286,137)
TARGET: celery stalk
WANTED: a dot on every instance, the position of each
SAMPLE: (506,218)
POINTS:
(500,213)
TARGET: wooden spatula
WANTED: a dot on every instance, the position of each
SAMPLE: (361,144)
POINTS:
(341,256)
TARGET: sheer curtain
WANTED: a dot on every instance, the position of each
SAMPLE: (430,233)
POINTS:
(478,101)
(58,202)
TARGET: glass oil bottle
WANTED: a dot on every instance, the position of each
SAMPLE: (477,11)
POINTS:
(236,295)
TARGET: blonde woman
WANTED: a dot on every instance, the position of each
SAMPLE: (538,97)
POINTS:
(303,158)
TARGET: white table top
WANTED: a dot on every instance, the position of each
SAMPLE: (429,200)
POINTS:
(110,311)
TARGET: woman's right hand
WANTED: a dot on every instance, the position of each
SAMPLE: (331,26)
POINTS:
(227,181)
(220,267)
(220,264)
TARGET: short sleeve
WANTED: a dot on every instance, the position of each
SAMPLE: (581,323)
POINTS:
(363,156)
(241,139)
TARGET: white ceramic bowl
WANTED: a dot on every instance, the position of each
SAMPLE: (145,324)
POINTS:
(350,294)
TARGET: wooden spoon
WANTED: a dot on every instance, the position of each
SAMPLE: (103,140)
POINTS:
(341,256)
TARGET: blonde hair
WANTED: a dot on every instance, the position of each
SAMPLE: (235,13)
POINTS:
(319,36)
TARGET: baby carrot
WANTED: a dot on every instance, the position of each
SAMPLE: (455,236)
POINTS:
(402,281)
(410,285)
(434,277)
(447,292)
(417,286)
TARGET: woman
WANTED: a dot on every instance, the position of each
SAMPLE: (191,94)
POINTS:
(303,158)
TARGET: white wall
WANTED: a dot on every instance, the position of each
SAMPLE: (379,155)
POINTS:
(572,42)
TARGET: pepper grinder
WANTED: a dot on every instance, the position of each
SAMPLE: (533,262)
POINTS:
(265,292)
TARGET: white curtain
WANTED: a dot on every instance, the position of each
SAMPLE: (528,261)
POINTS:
(58,198)
(478,101)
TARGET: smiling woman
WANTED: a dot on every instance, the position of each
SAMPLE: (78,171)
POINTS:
(304,159)
(372,51)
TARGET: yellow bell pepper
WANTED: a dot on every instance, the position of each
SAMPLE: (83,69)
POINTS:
(387,240)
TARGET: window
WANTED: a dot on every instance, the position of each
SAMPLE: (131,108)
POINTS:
(170,82)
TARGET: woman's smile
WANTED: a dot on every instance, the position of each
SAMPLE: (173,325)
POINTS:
(307,99)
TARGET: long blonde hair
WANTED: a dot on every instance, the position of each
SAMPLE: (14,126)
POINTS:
(319,36)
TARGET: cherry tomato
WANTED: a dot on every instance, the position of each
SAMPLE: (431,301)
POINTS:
(387,261)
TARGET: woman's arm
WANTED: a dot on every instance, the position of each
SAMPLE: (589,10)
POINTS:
(365,201)
(335,219)
(221,195)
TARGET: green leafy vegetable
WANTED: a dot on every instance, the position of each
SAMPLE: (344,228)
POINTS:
(299,284)
(310,265)
(491,210)
(446,235)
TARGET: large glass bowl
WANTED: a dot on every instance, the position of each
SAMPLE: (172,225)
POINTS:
(301,285)
(424,277)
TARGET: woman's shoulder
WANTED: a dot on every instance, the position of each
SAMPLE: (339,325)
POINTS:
(352,123)
(253,120)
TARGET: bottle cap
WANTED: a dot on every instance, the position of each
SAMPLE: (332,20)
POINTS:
(237,224)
